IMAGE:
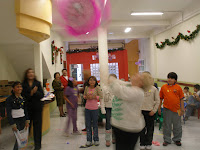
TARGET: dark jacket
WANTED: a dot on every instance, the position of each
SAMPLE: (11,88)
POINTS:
(12,102)
(33,102)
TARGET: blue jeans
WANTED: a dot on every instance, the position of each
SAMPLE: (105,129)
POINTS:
(189,110)
(91,116)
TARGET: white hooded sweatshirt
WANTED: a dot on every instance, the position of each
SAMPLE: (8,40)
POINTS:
(126,106)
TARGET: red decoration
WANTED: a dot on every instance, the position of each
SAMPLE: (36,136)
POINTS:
(55,51)
(188,31)
(52,42)
(161,42)
(179,33)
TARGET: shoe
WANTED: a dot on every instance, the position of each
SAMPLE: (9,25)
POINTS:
(84,129)
(148,147)
(165,143)
(37,148)
(186,118)
(178,143)
(88,143)
(96,143)
(107,143)
(66,134)
(113,141)
(142,147)
(62,115)
(76,133)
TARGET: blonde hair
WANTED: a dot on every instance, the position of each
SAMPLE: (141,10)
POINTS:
(147,80)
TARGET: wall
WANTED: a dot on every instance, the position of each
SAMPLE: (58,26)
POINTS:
(182,58)
(7,70)
(45,47)
(133,56)
(85,58)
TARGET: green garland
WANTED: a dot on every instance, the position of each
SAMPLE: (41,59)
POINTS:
(179,36)
(92,50)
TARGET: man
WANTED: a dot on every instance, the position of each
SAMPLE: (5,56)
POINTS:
(64,78)
(193,101)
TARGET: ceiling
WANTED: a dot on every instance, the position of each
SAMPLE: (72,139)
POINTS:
(142,26)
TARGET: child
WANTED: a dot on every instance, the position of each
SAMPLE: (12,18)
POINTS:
(17,110)
(173,102)
(71,95)
(149,108)
(186,93)
(92,93)
(108,97)
(193,102)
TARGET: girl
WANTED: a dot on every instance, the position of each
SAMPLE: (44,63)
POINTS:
(127,119)
(59,88)
(33,92)
(92,93)
(17,110)
(108,97)
(149,108)
(71,95)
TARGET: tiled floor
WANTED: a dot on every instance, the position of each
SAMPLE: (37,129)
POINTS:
(55,140)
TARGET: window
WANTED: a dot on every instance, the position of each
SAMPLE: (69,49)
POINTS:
(113,69)
(141,65)
(76,71)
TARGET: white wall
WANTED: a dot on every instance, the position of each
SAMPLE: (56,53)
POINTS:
(45,47)
(7,70)
(182,58)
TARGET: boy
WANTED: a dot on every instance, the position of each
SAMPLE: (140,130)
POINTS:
(173,101)
(193,101)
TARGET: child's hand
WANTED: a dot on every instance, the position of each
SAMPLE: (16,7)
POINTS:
(14,129)
(71,105)
(151,113)
(159,111)
(89,96)
(62,86)
(27,126)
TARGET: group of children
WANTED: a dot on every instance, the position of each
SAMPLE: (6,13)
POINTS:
(115,102)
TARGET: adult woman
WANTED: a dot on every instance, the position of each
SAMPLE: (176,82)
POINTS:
(127,119)
(59,92)
(33,92)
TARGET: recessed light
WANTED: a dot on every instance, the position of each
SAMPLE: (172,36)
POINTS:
(110,33)
(127,30)
(87,32)
(146,13)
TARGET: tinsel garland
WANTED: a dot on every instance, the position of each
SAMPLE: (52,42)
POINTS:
(93,50)
(178,38)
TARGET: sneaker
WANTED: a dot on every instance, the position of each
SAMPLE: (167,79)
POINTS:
(76,133)
(96,143)
(88,143)
(148,147)
(84,129)
(107,143)
(178,143)
(186,118)
(142,147)
(165,143)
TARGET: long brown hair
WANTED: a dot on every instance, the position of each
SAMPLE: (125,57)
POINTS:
(94,78)
(26,73)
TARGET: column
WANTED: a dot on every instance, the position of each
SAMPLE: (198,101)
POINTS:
(103,55)
(38,62)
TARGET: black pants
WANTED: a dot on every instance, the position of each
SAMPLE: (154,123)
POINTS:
(125,140)
(36,118)
(146,136)
(20,122)
(108,117)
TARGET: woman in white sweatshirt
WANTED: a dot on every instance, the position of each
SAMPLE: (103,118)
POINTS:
(127,119)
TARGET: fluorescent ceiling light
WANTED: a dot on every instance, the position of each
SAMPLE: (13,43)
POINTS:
(87,32)
(146,13)
(127,30)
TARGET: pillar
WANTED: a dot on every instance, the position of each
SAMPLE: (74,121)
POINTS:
(103,55)
(38,62)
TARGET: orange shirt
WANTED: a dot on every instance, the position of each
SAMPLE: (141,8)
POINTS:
(172,96)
